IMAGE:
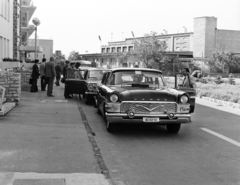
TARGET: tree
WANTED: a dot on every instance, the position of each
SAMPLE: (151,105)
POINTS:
(220,59)
(74,55)
(149,49)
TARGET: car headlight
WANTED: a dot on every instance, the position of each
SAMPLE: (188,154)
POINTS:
(114,98)
(183,99)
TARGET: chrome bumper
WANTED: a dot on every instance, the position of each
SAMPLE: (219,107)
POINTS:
(91,93)
(138,118)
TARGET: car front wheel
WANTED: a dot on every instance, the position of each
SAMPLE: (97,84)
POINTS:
(86,99)
(173,128)
(110,126)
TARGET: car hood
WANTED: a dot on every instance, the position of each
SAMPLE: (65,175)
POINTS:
(147,94)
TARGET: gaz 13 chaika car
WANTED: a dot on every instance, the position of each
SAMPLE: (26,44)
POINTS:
(140,95)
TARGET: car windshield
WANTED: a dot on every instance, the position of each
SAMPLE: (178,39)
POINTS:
(151,78)
(96,74)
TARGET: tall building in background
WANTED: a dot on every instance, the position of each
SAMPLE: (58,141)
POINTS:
(27,29)
(46,46)
(6,34)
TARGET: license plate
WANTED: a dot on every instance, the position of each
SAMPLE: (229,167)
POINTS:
(151,120)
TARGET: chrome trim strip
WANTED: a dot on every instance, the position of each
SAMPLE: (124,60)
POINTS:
(94,93)
(119,120)
(148,102)
(147,115)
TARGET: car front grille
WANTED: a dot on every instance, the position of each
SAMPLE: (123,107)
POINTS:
(148,107)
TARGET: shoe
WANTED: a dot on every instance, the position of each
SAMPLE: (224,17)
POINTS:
(50,95)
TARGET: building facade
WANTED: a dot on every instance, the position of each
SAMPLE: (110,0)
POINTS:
(46,49)
(188,46)
(6,29)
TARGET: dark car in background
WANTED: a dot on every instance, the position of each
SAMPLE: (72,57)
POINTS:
(92,79)
(140,95)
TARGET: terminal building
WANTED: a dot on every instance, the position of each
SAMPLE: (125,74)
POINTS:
(188,46)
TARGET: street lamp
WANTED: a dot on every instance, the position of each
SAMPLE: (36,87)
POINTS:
(36,22)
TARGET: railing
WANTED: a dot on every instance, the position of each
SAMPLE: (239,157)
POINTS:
(3,95)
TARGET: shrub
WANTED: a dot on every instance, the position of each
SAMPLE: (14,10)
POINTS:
(225,92)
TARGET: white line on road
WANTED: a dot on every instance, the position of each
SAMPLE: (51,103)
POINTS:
(222,137)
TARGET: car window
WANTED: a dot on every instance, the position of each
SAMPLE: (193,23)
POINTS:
(128,77)
(104,78)
(183,80)
(96,74)
(75,74)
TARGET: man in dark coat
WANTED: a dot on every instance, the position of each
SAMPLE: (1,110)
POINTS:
(42,69)
(50,74)
(58,73)
(65,69)
(35,75)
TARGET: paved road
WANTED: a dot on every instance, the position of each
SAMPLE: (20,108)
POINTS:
(205,152)
(46,138)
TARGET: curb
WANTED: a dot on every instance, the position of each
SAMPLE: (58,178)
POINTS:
(221,102)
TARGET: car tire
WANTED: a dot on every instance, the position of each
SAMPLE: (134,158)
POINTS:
(173,128)
(86,99)
(110,126)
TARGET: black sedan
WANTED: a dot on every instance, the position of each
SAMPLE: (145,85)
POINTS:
(140,95)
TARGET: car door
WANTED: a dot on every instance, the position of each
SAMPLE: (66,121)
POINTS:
(86,80)
(79,76)
(102,91)
(184,83)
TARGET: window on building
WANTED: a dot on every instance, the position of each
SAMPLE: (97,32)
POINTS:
(8,48)
(177,48)
(108,50)
(8,10)
(130,48)
(1,48)
(118,49)
(113,50)
(124,49)
(4,48)
(103,50)
(3,8)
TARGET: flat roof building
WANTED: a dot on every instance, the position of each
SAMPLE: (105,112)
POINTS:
(193,45)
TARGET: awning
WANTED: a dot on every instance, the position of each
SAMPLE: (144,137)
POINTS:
(31,49)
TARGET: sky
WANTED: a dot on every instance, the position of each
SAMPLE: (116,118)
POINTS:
(75,25)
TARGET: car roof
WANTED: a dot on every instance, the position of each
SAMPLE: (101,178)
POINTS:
(96,69)
(81,61)
(136,69)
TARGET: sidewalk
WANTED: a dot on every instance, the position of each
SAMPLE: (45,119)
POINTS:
(217,106)
(45,141)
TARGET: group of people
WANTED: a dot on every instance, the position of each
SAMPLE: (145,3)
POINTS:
(48,72)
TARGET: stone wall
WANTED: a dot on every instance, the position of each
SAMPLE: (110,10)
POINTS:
(25,76)
(12,83)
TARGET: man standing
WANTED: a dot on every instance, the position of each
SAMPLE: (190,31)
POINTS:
(58,73)
(65,69)
(50,74)
(35,75)
(43,81)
